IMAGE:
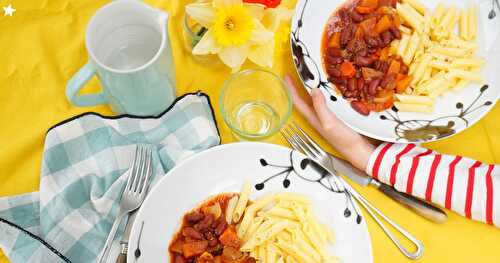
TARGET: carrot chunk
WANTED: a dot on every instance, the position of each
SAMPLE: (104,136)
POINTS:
(383,24)
(334,40)
(230,238)
(347,69)
(402,83)
(194,248)
(394,67)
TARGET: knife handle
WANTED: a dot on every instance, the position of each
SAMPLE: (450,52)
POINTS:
(420,207)
(122,258)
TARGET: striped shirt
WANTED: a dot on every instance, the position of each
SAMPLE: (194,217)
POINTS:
(463,185)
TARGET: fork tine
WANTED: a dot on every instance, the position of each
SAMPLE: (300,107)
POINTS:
(311,142)
(148,172)
(291,140)
(139,165)
(305,141)
(133,171)
(308,149)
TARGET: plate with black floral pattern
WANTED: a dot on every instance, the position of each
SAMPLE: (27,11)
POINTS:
(223,169)
(453,111)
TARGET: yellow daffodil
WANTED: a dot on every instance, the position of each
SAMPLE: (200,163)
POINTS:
(236,31)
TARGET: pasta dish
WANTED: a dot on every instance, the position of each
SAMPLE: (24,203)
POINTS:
(278,227)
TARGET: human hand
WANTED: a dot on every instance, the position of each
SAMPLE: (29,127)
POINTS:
(354,147)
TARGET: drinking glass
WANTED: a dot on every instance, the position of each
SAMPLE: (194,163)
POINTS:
(255,104)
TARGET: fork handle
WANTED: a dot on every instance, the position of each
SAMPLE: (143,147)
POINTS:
(109,241)
(375,214)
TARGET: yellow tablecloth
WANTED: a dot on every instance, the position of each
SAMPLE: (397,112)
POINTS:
(42,45)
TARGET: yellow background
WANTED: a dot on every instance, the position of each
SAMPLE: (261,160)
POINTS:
(42,45)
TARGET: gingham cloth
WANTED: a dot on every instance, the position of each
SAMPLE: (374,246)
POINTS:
(84,170)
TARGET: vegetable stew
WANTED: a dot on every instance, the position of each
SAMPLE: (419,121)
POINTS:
(357,57)
(206,237)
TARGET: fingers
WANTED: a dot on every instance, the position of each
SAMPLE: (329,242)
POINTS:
(325,116)
(302,104)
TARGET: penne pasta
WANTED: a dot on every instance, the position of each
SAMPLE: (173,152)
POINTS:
(420,69)
(419,7)
(450,51)
(438,14)
(412,48)
(403,44)
(411,99)
(472,25)
(293,251)
(411,17)
(467,75)
(460,84)
(242,201)
(230,209)
(251,210)
(464,24)
(427,75)
(439,64)
(404,107)
(449,20)
(467,62)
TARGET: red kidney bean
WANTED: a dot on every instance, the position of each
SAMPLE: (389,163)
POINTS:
(334,60)
(384,66)
(191,232)
(334,72)
(205,223)
(404,69)
(347,34)
(334,52)
(211,238)
(179,259)
(386,37)
(372,88)
(377,64)
(360,107)
(363,61)
(351,84)
(387,79)
(371,41)
(220,227)
(361,84)
(194,217)
(395,32)
(356,17)
(363,52)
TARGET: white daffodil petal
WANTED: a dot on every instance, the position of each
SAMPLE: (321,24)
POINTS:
(262,55)
(273,17)
(256,10)
(223,3)
(234,56)
(202,13)
(207,45)
(260,34)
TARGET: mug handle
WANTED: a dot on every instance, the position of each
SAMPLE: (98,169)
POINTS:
(77,82)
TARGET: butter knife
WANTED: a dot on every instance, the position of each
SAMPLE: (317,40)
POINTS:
(122,257)
(422,208)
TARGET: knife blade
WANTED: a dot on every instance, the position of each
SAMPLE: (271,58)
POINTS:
(422,208)
(122,257)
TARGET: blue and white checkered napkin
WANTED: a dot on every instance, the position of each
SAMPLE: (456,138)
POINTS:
(81,181)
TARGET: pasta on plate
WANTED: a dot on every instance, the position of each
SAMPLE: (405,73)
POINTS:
(439,46)
(278,227)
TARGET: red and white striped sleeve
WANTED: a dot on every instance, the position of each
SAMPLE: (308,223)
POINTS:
(465,186)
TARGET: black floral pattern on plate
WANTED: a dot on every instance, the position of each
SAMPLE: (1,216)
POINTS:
(423,130)
(307,68)
(492,14)
(306,170)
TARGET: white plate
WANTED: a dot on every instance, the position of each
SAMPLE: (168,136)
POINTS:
(454,112)
(224,169)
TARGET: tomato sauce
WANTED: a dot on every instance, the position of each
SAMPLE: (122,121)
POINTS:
(357,58)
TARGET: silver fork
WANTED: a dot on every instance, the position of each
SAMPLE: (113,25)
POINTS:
(302,142)
(134,192)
